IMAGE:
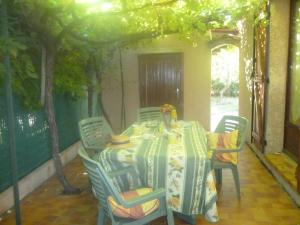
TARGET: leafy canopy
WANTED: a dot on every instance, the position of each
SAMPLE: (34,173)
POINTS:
(81,29)
(189,18)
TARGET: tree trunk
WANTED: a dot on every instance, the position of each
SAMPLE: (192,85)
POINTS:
(49,109)
(103,111)
(43,75)
(99,99)
(90,87)
(123,111)
(90,99)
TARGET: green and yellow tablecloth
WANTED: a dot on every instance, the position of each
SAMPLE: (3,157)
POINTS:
(176,160)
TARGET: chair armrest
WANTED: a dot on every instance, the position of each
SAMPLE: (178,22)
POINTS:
(93,149)
(225,150)
(158,193)
(127,169)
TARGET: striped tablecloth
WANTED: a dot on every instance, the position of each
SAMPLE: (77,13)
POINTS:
(176,160)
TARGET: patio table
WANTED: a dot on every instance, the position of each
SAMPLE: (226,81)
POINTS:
(176,160)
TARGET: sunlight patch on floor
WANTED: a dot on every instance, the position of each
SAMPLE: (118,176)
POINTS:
(285,166)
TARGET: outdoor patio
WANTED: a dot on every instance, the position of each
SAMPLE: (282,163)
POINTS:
(263,201)
(144,84)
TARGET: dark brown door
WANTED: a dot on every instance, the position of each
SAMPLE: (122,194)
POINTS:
(292,121)
(260,82)
(160,77)
(292,117)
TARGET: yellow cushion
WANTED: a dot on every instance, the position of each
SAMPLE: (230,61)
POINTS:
(226,141)
(138,211)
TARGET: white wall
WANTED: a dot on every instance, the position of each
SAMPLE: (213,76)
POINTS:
(196,82)
(279,37)
(246,68)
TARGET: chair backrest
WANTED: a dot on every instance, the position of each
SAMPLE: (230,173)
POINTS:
(101,183)
(149,113)
(97,184)
(229,123)
(93,133)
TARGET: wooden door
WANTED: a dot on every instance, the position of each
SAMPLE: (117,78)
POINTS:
(160,79)
(260,82)
(292,116)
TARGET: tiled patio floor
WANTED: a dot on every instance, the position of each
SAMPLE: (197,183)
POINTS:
(263,201)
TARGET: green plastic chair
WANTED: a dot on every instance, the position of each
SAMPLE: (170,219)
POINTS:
(94,133)
(228,124)
(103,187)
(149,113)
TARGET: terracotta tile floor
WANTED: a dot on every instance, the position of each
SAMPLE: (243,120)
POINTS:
(285,166)
(263,201)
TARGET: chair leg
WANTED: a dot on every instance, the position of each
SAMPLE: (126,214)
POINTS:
(235,174)
(218,174)
(101,217)
(170,217)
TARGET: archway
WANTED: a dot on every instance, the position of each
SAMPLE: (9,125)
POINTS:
(224,82)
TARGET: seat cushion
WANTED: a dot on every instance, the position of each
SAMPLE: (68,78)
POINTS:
(226,141)
(138,211)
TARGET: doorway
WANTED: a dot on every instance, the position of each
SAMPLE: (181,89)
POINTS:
(224,83)
(160,80)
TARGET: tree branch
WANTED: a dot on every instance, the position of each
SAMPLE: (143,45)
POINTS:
(37,27)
